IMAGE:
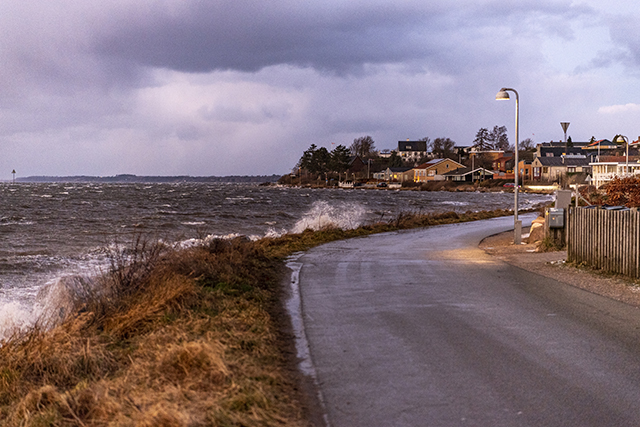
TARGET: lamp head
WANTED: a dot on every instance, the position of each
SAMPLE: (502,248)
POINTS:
(620,139)
(503,95)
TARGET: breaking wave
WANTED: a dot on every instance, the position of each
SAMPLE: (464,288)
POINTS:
(322,215)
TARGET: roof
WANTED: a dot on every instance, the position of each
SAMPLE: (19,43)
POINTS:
(503,159)
(617,159)
(564,144)
(467,171)
(431,163)
(563,161)
(601,142)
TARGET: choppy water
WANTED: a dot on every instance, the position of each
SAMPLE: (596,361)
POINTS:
(49,231)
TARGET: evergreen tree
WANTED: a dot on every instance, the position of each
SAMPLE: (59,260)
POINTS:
(481,143)
(395,161)
(340,159)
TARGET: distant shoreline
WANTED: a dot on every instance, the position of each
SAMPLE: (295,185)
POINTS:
(126,178)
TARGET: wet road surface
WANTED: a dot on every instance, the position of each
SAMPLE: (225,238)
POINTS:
(421,328)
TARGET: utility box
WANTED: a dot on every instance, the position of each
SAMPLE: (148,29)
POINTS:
(556,217)
(563,199)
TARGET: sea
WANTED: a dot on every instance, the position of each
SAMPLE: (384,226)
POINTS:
(50,232)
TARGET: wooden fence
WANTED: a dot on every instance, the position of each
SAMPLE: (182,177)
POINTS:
(607,240)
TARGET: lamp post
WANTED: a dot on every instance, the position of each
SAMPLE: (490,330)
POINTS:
(621,139)
(503,95)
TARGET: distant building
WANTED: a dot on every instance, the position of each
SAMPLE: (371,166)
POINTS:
(385,154)
(469,175)
(394,174)
(434,170)
(609,167)
(553,168)
(412,151)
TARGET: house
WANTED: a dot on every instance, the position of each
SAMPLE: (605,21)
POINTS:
(384,154)
(601,147)
(557,149)
(525,167)
(356,165)
(553,168)
(609,167)
(434,170)
(394,175)
(504,163)
(412,151)
(468,175)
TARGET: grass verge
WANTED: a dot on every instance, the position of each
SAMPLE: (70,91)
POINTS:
(169,337)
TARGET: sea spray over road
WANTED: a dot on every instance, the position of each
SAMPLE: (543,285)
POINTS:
(53,232)
(346,216)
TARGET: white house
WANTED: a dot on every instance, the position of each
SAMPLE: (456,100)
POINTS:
(609,167)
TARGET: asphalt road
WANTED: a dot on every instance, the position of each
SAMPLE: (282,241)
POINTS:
(421,328)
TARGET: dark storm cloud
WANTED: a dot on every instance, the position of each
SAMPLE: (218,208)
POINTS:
(224,87)
(249,36)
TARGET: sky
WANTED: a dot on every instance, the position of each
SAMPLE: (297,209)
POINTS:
(243,87)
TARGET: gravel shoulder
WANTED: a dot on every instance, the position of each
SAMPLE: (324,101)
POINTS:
(552,265)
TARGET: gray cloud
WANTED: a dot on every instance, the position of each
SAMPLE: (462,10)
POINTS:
(222,87)
(251,35)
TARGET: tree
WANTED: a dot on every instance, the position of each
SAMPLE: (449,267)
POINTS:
(307,158)
(320,161)
(443,148)
(569,142)
(363,147)
(340,159)
(315,160)
(428,144)
(482,143)
(526,144)
(498,138)
(395,161)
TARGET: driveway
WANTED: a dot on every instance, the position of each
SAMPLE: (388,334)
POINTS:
(422,328)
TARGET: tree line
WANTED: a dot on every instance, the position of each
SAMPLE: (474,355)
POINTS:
(319,160)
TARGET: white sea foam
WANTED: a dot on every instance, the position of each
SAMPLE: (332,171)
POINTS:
(322,215)
(14,316)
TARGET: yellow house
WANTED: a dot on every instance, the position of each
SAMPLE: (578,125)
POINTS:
(434,170)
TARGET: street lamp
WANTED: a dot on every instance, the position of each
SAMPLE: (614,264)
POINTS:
(517,225)
(621,139)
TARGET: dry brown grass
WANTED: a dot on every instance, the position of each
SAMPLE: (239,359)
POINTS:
(171,338)
(188,342)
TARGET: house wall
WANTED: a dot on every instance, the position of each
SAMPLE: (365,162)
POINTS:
(435,172)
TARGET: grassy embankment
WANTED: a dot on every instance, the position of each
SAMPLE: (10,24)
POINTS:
(173,338)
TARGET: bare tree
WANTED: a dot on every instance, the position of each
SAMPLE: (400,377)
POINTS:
(364,147)
(443,148)
(499,139)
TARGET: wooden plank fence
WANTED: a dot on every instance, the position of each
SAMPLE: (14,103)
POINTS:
(606,240)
